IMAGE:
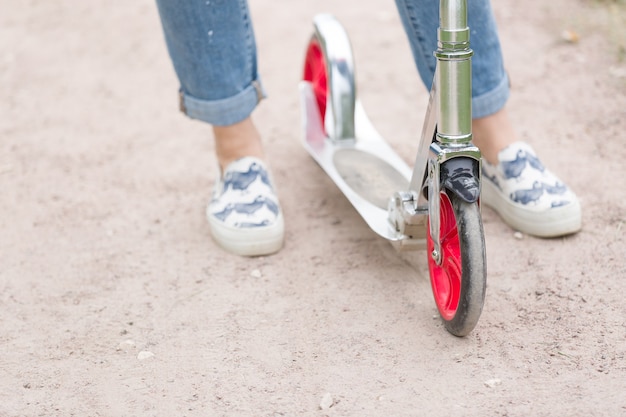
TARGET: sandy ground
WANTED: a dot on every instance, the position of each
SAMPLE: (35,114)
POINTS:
(116,302)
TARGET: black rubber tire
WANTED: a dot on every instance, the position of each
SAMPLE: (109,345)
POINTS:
(460,319)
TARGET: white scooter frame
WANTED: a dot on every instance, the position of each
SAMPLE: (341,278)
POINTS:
(435,204)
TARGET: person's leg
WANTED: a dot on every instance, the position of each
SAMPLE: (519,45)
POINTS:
(213,50)
(529,198)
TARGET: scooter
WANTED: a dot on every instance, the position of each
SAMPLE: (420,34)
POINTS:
(435,204)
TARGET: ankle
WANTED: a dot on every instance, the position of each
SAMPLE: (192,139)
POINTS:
(237,141)
(492,134)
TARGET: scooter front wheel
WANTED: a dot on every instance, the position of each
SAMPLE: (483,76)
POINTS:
(459,280)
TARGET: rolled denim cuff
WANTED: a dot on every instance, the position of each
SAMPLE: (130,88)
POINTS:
(225,111)
(492,101)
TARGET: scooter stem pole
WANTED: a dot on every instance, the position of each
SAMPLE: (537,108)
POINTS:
(454,74)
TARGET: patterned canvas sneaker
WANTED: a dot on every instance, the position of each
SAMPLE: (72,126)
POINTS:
(528,196)
(244,213)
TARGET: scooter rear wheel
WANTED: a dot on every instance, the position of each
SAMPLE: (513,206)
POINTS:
(459,280)
(315,72)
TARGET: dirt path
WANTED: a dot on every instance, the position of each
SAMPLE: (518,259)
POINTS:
(114,301)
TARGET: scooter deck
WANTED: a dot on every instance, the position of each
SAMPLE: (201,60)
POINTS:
(367,170)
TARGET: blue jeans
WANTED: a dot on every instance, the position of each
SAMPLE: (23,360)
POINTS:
(213,50)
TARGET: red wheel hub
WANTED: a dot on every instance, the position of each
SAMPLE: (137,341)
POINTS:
(445,277)
(315,73)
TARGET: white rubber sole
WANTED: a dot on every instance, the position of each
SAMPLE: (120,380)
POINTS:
(555,222)
(256,241)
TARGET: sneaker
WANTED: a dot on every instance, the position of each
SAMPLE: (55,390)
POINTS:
(528,196)
(244,214)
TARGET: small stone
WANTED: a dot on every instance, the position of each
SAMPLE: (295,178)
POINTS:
(327,402)
(256,273)
(570,36)
(492,383)
(126,344)
(144,354)
(518,235)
